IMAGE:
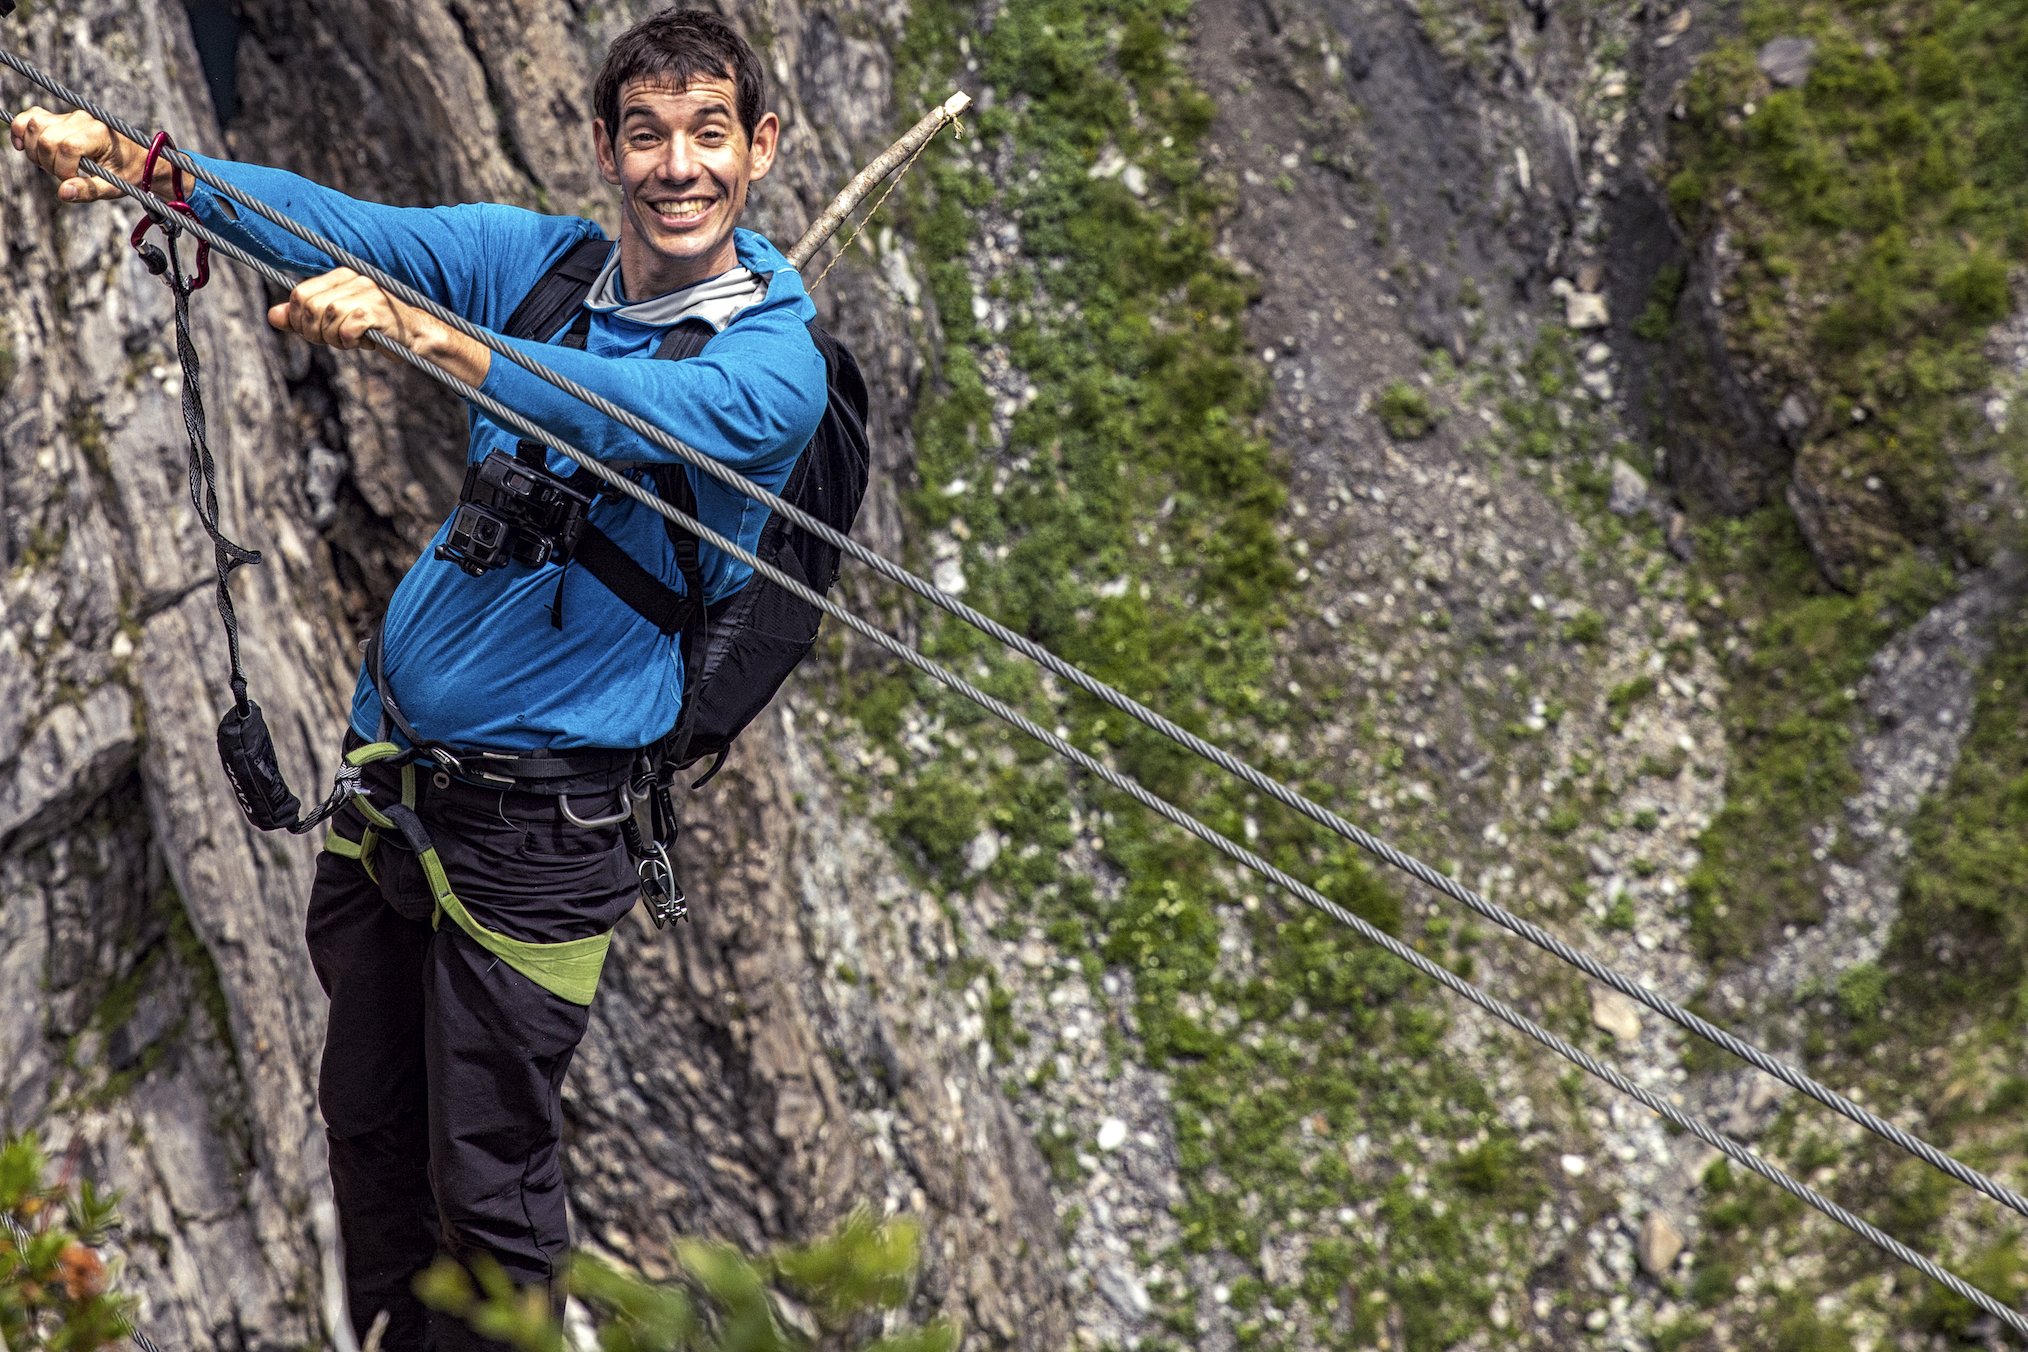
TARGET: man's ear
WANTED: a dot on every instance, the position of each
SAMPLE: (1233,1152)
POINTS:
(602,147)
(766,139)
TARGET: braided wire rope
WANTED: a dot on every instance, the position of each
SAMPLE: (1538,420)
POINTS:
(21,1238)
(1739,1153)
(1687,1019)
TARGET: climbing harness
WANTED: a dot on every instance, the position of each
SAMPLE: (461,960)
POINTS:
(569,969)
(617,482)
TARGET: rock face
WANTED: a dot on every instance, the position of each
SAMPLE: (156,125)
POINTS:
(174,1026)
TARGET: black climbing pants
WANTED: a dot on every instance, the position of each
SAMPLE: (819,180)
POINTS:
(443,1068)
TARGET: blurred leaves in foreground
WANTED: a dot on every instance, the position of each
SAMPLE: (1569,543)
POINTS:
(55,1291)
(796,1298)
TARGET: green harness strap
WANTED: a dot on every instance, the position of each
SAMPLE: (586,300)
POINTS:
(569,970)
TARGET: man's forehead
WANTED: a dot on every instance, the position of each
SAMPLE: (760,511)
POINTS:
(667,94)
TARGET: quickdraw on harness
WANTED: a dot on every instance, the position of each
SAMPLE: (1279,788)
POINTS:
(244,743)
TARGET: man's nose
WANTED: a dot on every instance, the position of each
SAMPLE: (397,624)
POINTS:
(679,162)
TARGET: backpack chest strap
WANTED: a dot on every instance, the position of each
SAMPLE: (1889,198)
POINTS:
(600,555)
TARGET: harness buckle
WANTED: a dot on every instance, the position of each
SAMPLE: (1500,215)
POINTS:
(660,891)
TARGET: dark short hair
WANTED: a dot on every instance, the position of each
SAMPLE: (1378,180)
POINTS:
(681,46)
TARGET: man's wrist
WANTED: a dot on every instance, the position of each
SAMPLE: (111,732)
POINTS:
(430,337)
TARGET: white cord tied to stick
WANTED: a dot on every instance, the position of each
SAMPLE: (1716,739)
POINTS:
(895,160)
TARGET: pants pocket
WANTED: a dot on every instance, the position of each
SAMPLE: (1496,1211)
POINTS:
(402,884)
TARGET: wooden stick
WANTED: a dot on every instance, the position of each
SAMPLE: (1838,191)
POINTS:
(869,178)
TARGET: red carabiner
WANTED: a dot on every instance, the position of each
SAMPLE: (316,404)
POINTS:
(161,142)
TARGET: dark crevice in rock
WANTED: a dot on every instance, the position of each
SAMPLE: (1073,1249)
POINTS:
(215,29)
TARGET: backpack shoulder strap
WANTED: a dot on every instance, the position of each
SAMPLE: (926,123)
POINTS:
(559,291)
(672,481)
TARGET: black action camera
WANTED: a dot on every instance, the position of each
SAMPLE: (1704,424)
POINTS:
(511,511)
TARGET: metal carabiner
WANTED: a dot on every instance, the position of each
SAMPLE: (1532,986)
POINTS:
(591,823)
(660,891)
(157,262)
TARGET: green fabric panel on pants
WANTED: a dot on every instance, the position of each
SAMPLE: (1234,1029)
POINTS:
(569,970)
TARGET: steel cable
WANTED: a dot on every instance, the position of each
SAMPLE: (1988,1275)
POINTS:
(1792,1076)
(1739,1153)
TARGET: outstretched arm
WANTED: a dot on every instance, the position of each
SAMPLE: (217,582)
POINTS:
(751,400)
(473,258)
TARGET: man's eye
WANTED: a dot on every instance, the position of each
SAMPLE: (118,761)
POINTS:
(641,139)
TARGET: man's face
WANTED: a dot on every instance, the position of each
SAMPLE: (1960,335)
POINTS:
(682,164)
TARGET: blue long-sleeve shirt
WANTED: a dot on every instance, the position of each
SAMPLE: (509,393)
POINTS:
(475,662)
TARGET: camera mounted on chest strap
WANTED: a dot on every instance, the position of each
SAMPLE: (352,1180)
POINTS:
(513,510)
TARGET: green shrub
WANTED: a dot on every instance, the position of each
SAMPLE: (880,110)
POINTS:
(1405,412)
(1862,992)
(55,1290)
(721,1301)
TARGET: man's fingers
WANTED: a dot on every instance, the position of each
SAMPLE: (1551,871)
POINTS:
(27,123)
(334,309)
(55,142)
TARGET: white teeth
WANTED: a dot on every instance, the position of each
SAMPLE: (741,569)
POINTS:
(680,210)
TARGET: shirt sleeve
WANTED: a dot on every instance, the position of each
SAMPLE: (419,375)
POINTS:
(751,400)
(452,254)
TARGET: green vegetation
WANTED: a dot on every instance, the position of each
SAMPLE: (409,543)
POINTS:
(1876,211)
(1659,317)
(723,1300)
(1968,860)
(55,1291)
(1114,499)
(1799,647)
(1405,412)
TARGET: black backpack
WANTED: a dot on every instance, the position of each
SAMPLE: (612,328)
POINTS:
(739,649)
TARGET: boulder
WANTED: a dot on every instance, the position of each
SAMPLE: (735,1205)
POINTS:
(1786,61)
(1629,492)
(1660,1244)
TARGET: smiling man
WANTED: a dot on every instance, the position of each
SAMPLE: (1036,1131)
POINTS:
(448,1042)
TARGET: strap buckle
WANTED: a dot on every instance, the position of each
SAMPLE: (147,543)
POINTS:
(660,891)
(157,262)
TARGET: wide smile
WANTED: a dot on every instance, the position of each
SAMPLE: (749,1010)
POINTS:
(681,213)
